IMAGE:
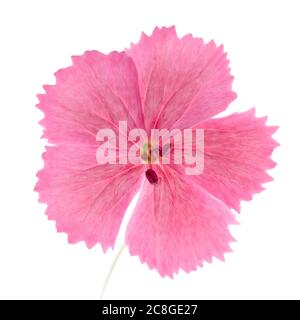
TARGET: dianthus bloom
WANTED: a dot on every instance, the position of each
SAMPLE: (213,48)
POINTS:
(163,82)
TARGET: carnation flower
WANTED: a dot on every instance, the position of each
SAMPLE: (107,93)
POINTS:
(164,82)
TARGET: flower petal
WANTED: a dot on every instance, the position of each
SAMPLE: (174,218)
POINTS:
(95,92)
(177,225)
(237,153)
(182,81)
(87,200)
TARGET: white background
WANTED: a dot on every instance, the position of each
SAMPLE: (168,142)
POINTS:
(38,37)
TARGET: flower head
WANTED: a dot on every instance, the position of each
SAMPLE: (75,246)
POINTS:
(163,82)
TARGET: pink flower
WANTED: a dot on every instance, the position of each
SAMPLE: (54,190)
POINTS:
(180,221)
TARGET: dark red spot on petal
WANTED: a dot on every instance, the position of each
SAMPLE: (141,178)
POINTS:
(160,151)
(151,176)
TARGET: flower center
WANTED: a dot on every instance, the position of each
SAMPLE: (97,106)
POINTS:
(150,153)
(151,176)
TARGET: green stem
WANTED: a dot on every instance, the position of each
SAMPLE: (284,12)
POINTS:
(113,265)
